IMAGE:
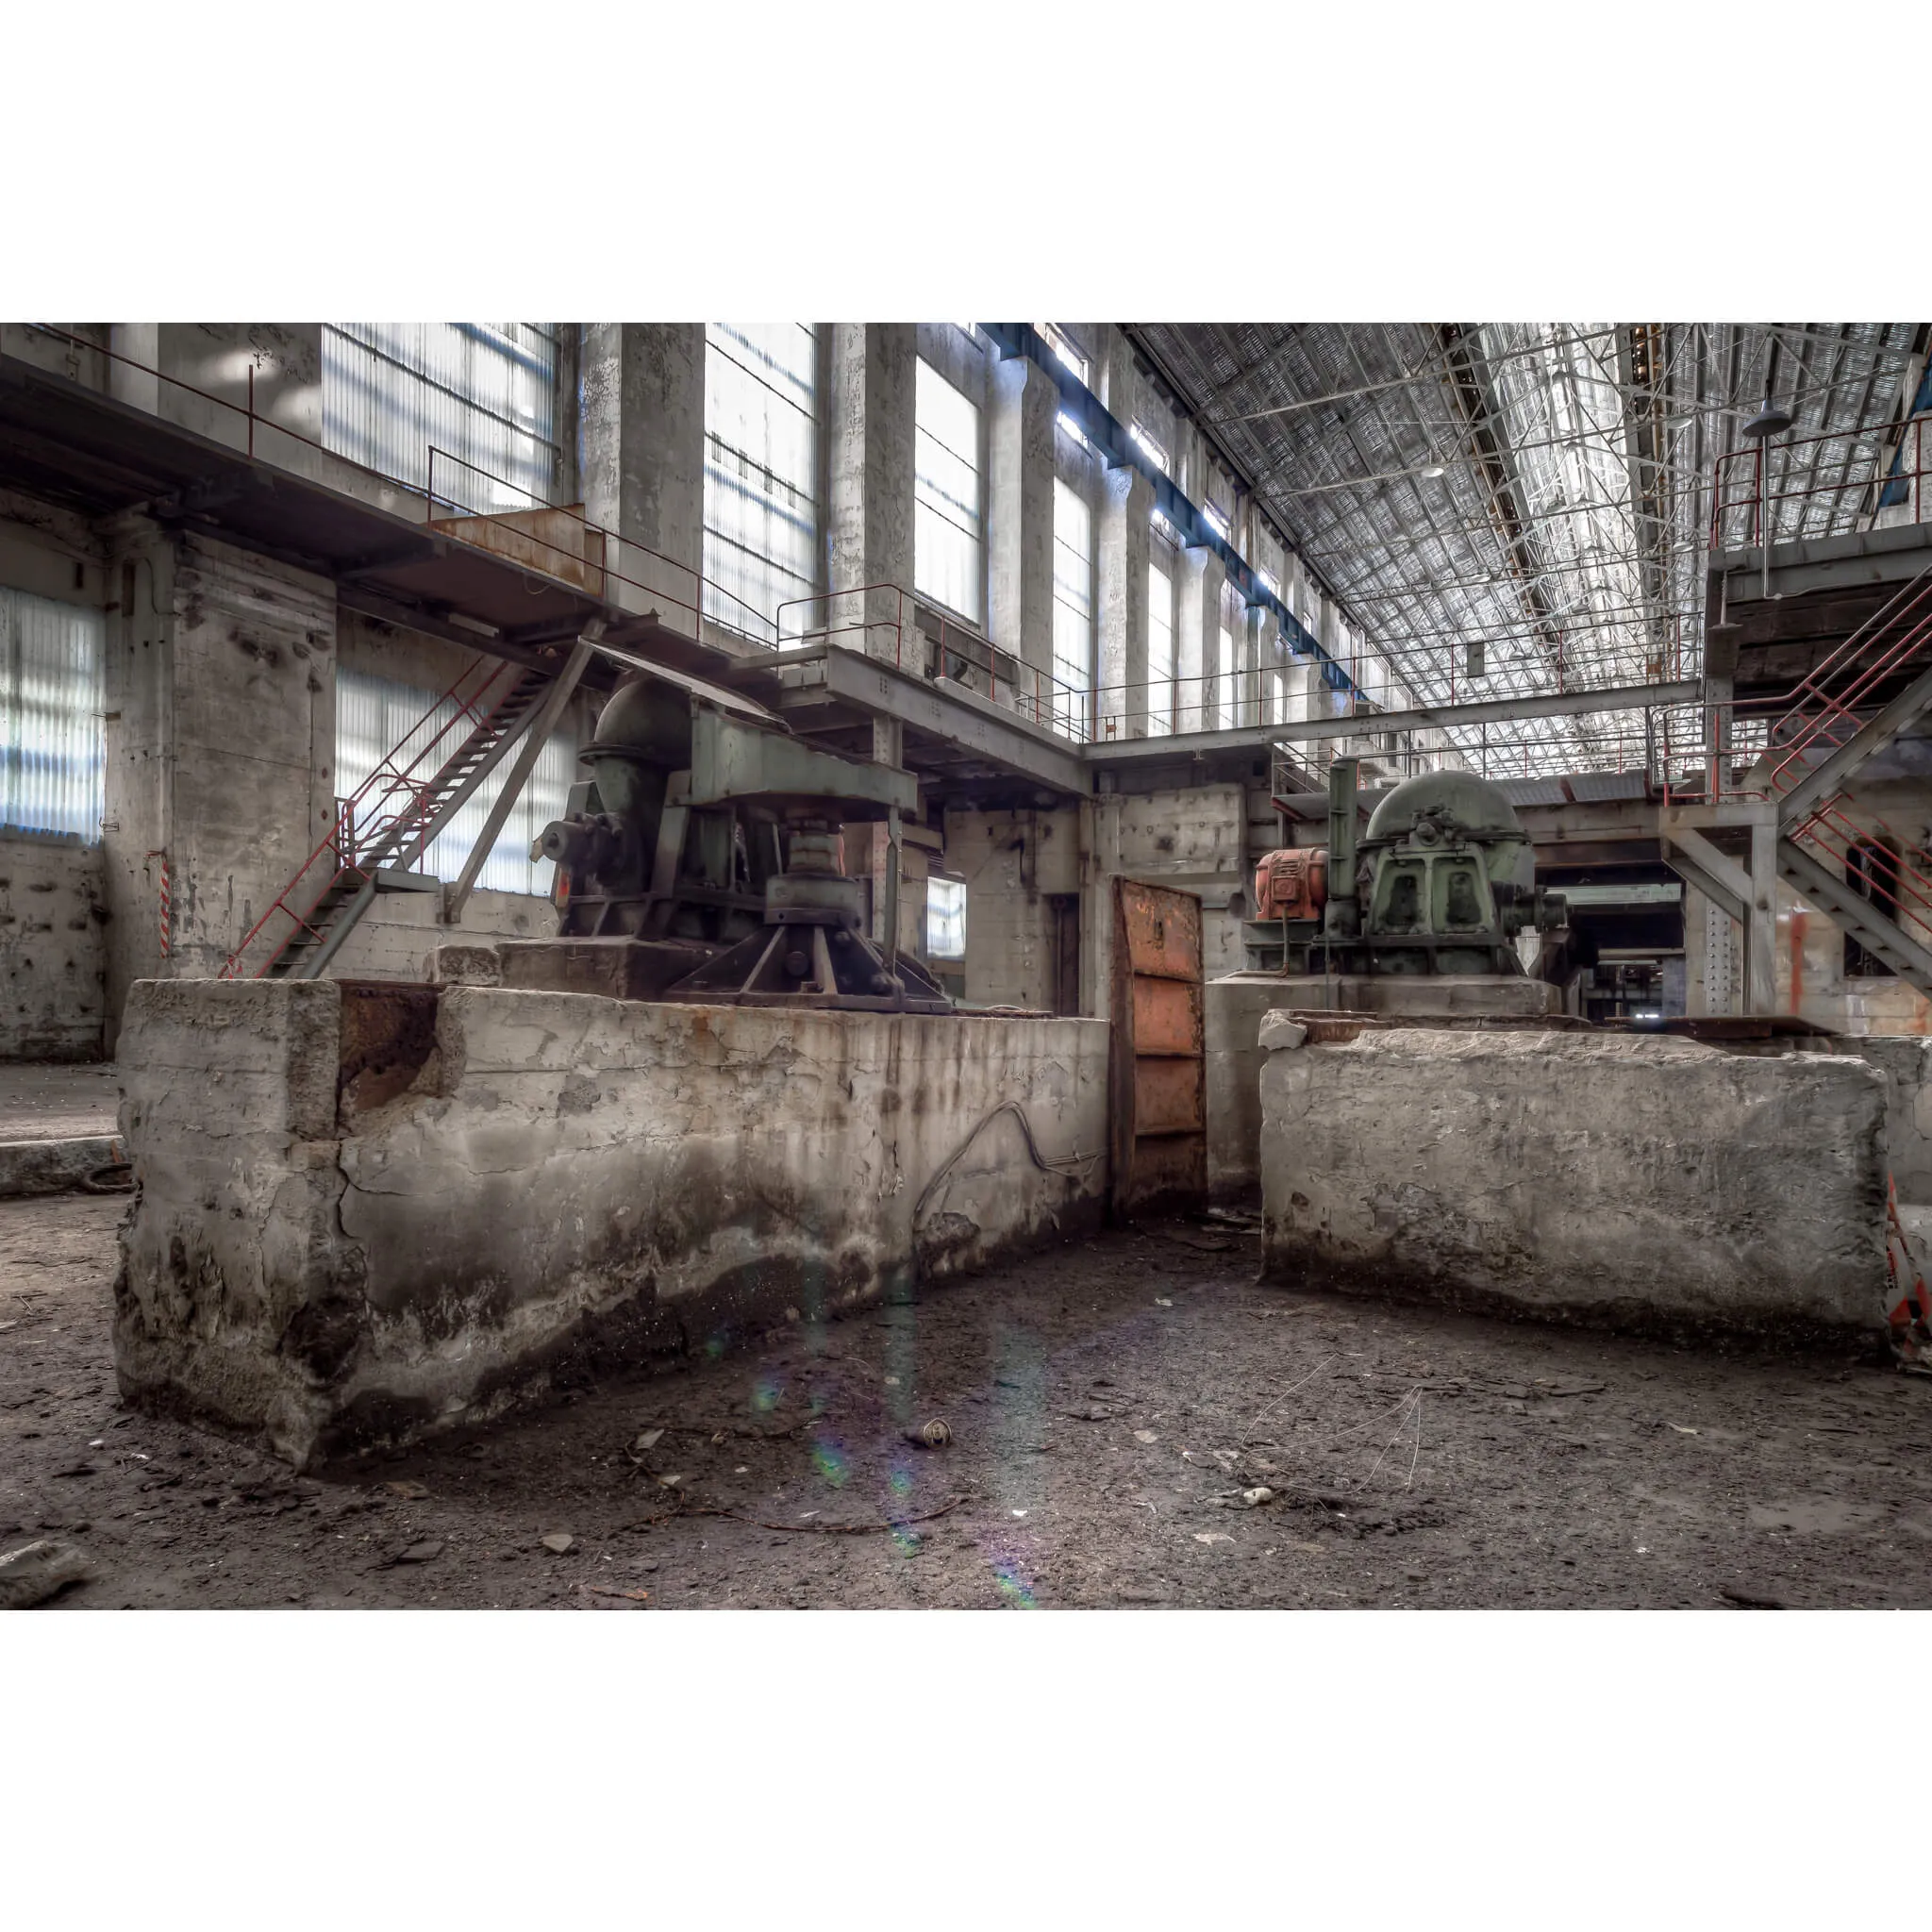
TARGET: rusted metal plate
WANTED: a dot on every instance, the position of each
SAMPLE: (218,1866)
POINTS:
(1156,1087)
(1163,930)
(1167,1016)
(1167,1097)
(1169,1172)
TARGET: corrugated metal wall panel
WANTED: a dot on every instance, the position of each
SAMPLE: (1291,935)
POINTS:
(377,715)
(52,771)
(482,393)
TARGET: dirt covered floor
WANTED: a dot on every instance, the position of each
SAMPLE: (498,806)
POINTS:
(1112,1407)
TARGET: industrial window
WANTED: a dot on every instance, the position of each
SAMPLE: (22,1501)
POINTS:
(1224,684)
(761,520)
(52,776)
(948,499)
(1216,521)
(1269,582)
(945,918)
(376,716)
(1159,652)
(482,394)
(1279,680)
(1061,343)
(1156,453)
(1072,604)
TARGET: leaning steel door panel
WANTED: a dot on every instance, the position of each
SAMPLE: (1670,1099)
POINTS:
(1157,1083)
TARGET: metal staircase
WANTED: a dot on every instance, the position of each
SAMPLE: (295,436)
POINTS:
(1827,732)
(382,831)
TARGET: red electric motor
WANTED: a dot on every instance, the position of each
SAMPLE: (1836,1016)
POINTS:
(1292,883)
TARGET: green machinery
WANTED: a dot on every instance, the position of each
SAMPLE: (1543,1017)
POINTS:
(1443,881)
(705,854)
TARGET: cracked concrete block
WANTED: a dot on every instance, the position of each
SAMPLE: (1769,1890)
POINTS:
(569,1185)
(1639,1181)
(1280,1034)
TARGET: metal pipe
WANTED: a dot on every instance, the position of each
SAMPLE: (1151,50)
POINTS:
(1342,919)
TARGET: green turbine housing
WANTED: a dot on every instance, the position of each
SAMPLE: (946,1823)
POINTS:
(1443,881)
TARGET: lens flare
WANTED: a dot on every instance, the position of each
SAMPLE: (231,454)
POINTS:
(1013,1587)
(831,1461)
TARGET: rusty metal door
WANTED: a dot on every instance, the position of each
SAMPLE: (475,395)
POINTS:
(1158,1072)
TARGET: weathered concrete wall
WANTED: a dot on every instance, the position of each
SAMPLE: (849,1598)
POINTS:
(1015,864)
(1907,1063)
(1233,1010)
(53,958)
(549,1184)
(1635,1180)
(1195,840)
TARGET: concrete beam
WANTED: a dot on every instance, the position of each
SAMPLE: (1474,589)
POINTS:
(961,717)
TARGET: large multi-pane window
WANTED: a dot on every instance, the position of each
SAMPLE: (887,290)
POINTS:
(1224,683)
(945,918)
(1159,652)
(1073,605)
(948,496)
(482,396)
(376,716)
(762,518)
(52,777)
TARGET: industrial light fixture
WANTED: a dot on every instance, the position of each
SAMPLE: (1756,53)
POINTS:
(1771,420)
(1432,468)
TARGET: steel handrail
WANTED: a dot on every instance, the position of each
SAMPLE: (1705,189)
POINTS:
(347,841)
(1763,500)
(252,417)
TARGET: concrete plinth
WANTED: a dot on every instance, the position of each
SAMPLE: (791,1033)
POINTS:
(356,1229)
(1234,1010)
(1639,1181)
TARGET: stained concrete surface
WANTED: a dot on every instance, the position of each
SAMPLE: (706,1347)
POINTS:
(1616,1178)
(1105,1398)
(43,1102)
(541,1186)
(1233,1007)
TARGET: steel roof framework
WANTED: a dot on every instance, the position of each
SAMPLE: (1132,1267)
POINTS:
(1567,531)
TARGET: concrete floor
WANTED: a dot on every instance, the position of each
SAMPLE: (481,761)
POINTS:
(1109,1402)
(56,1102)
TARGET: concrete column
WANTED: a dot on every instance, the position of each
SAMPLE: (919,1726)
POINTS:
(1308,695)
(1197,636)
(139,341)
(1123,543)
(1100,861)
(870,525)
(219,749)
(1258,646)
(642,435)
(1022,406)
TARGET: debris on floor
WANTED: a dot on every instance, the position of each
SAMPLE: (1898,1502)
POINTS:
(36,1573)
